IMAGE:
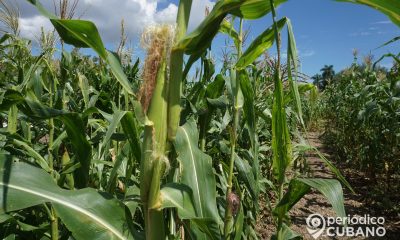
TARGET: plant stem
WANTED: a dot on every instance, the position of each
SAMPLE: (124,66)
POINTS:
(152,164)
(52,90)
(53,221)
(51,139)
(236,113)
(160,129)
(54,224)
(12,119)
(277,37)
(176,64)
(53,217)
(278,76)
(203,119)
(228,210)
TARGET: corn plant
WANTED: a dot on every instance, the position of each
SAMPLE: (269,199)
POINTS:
(93,148)
(364,119)
(364,100)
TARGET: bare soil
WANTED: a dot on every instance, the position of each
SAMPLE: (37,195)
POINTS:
(359,203)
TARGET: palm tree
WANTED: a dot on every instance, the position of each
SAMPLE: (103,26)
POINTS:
(327,72)
(327,75)
(317,80)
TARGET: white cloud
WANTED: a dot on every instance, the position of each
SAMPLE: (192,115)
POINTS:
(31,26)
(382,22)
(308,53)
(167,15)
(107,15)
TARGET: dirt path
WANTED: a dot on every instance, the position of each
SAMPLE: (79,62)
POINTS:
(315,202)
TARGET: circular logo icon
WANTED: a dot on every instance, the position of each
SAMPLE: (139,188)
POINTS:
(315,225)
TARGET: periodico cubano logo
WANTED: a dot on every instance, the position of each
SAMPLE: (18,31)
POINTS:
(349,226)
(315,225)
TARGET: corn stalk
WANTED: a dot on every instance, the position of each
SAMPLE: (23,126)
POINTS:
(237,107)
(163,116)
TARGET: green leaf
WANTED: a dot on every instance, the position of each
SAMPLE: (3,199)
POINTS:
(246,174)
(292,59)
(331,189)
(9,98)
(253,9)
(81,33)
(87,213)
(41,9)
(175,195)
(116,118)
(390,8)
(287,234)
(306,147)
(129,126)
(192,59)
(259,45)
(124,153)
(333,169)
(239,220)
(281,143)
(250,117)
(215,88)
(233,85)
(205,229)
(295,192)
(5,37)
(84,87)
(227,28)
(28,228)
(83,150)
(197,171)
(31,152)
(5,217)
(118,72)
(73,123)
(396,58)
(222,102)
(200,39)
(390,41)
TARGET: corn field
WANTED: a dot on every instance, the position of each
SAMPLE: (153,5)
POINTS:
(111,147)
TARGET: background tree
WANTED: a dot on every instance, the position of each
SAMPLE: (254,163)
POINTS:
(317,79)
(327,75)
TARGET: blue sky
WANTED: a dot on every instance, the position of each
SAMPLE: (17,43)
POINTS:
(326,31)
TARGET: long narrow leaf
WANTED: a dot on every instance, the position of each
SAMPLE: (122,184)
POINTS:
(197,171)
(39,159)
(330,188)
(292,60)
(281,143)
(201,38)
(74,127)
(129,126)
(81,33)
(259,45)
(86,213)
(178,196)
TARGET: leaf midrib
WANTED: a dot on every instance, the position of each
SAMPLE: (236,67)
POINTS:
(69,205)
(194,169)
